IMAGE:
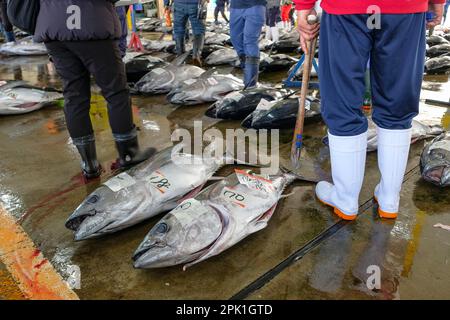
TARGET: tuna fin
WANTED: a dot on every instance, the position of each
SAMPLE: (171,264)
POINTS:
(181,59)
(208,73)
(299,176)
(192,193)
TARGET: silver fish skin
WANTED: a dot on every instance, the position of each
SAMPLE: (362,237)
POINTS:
(216,219)
(142,192)
(222,56)
(435,161)
(17,97)
(207,88)
(216,38)
(23,47)
(420,131)
(162,80)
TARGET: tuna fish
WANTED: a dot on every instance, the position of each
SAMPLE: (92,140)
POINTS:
(210,86)
(437,65)
(162,80)
(159,45)
(153,187)
(140,65)
(216,219)
(265,44)
(438,50)
(216,38)
(238,105)
(17,97)
(222,56)
(23,47)
(281,114)
(148,24)
(209,49)
(435,161)
(277,62)
(435,40)
(420,131)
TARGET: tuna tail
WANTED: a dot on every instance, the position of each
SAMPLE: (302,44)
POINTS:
(297,176)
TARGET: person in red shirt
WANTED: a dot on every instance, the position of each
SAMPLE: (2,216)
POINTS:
(391,35)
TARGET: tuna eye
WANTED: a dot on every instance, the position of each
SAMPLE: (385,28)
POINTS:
(162,228)
(93,199)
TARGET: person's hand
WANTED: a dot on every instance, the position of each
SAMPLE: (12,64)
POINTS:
(438,10)
(307,31)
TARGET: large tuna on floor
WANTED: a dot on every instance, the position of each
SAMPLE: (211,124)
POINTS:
(162,80)
(222,56)
(438,50)
(23,47)
(17,97)
(216,219)
(435,161)
(209,87)
(277,62)
(281,114)
(216,38)
(153,187)
(434,40)
(140,65)
(438,65)
(238,105)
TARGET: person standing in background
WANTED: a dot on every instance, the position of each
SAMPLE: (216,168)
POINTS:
(220,8)
(185,10)
(397,41)
(247,18)
(79,51)
(122,13)
(273,13)
(4,20)
(286,6)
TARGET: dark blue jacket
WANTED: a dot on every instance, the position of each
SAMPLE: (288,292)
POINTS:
(242,4)
(99,21)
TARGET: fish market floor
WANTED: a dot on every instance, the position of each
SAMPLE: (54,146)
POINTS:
(304,253)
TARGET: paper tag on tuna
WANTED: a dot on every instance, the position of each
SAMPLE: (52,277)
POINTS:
(189,82)
(236,96)
(158,180)
(212,81)
(158,71)
(264,105)
(307,104)
(253,181)
(119,182)
(444,145)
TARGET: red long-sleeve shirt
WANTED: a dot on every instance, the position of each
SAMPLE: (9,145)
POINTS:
(360,6)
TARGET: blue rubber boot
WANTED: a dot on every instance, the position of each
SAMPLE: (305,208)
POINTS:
(251,72)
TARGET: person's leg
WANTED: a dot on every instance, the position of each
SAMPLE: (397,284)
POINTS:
(179,26)
(275,12)
(7,26)
(198,29)
(216,14)
(255,18)
(342,90)
(237,23)
(395,99)
(103,60)
(77,96)
(224,16)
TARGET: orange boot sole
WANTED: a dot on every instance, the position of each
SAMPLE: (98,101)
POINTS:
(339,213)
(384,214)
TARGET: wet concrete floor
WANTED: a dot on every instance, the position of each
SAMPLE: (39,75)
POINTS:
(40,185)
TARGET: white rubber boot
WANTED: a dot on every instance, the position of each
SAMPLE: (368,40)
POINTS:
(348,161)
(275,34)
(393,151)
(268,33)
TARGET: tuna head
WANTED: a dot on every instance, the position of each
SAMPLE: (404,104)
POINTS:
(105,211)
(180,237)
(435,161)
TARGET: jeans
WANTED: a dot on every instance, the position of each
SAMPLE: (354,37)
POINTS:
(182,13)
(245,29)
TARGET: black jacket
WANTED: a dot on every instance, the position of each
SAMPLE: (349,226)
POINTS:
(98,20)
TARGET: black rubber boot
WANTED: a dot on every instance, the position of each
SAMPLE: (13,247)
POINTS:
(180,46)
(198,44)
(242,62)
(89,164)
(129,151)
